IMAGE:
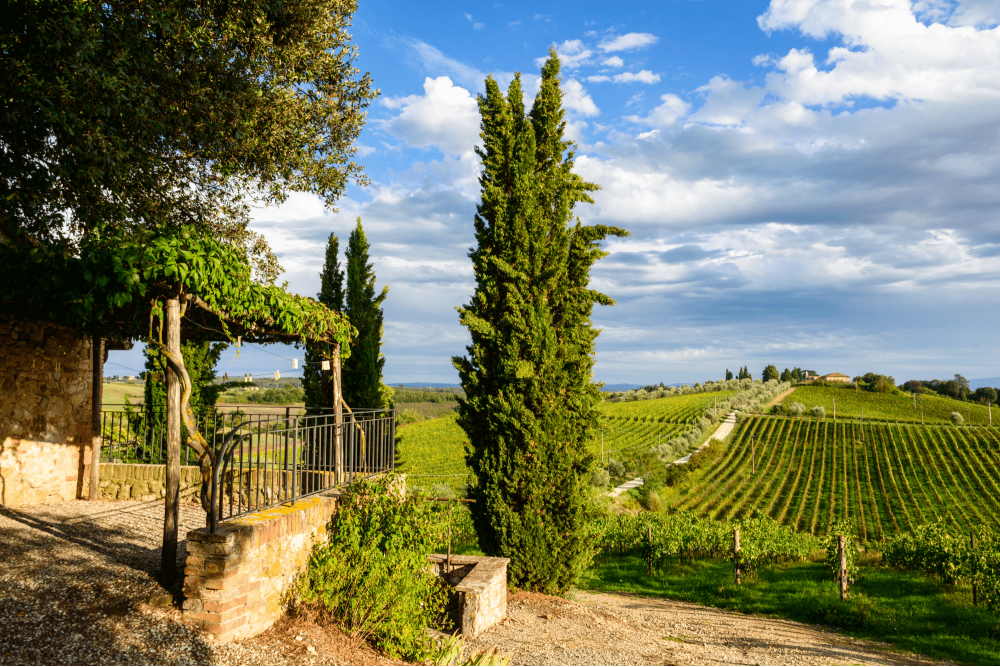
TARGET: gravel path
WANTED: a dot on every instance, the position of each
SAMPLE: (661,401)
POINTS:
(76,587)
(604,629)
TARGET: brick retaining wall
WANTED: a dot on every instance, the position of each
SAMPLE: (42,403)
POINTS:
(236,580)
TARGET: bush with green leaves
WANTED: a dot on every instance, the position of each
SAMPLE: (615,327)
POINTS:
(371,573)
(796,409)
(600,478)
(957,419)
(616,469)
(819,412)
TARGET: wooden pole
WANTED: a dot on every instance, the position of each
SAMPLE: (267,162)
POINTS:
(97,347)
(450,506)
(972,550)
(649,561)
(602,446)
(736,555)
(753,458)
(842,570)
(338,417)
(171,512)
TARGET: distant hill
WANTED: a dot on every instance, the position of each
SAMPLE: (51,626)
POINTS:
(984,382)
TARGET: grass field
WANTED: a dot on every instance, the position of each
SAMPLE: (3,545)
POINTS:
(888,477)
(888,407)
(114,393)
(434,447)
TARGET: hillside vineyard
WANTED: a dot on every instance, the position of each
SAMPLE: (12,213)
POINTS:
(888,477)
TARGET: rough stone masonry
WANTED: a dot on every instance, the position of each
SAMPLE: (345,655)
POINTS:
(45,421)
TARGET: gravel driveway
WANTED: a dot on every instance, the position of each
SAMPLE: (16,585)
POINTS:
(76,588)
(604,629)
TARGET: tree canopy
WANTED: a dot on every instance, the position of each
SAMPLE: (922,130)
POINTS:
(124,115)
(362,375)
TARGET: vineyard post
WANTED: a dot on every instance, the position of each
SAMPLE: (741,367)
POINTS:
(602,446)
(921,410)
(736,554)
(914,400)
(649,556)
(969,411)
(972,553)
(835,411)
(989,406)
(753,458)
(842,572)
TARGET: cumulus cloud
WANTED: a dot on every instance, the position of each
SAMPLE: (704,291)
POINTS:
(628,42)
(576,98)
(613,61)
(642,76)
(664,115)
(572,54)
(445,117)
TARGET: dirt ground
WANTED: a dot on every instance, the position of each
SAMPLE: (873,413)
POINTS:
(604,629)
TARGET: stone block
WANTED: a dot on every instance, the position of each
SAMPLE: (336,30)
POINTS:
(125,492)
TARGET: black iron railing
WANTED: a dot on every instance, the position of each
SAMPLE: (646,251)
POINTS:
(311,455)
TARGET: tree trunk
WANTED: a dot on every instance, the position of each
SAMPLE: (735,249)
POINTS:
(168,566)
(95,416)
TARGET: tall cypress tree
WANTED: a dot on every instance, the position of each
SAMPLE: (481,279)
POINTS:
(529,406)
(316,382)
(362,376)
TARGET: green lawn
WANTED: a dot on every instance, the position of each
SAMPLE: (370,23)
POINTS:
(888,407)
(911,612)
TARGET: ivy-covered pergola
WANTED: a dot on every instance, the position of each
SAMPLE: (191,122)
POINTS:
(161,287)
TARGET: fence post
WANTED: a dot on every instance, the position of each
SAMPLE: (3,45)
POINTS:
(736,555)
(972,550)
(448,568)
(842,570)
(288,411)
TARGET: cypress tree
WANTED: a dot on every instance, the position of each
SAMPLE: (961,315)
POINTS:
(316,382)
(362,374)
(529,407)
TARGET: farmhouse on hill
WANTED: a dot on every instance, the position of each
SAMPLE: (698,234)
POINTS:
(835,377)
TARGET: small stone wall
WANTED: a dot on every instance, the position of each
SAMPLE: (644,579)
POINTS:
(481,582)
(144,481)
(235,580)
(45,422)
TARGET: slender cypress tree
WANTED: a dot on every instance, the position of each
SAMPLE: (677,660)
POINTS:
(362,375)
(529,407)
(316,382)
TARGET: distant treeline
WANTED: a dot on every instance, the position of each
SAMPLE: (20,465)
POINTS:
(426,395)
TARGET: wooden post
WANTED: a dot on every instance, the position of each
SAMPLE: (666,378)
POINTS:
(989,406)
(914,400)
(753,458)
(834,411)
(338,417)
(842,570)
(921,410)
(602,446)
(450,505)
(171,514)
(97,346)
(972,551)
(649,560)
(736,555)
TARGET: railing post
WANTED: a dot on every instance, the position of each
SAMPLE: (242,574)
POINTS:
(287,427)
(295,462)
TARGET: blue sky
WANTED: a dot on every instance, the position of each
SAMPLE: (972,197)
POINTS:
(807,182)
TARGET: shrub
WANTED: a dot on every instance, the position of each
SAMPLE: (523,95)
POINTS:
(843,527)
(819,412)
(616,468)
(650,499)
(600,478)
(796,409)
(408,417)
(371,573)
(956,418)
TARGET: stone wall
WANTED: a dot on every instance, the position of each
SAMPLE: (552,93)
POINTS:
(45,422)
(236,579)
(143,481)
(481,583)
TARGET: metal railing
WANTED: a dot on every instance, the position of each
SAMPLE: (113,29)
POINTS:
(133,434)
(312,455)
(263,459)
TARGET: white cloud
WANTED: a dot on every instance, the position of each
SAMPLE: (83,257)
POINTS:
(598,78)
(665,114)
(572,54)
(437,63)
(363,150)
(613,61)
(642,76)
(478,26)
(628,42)
(576,98)
(445,116)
